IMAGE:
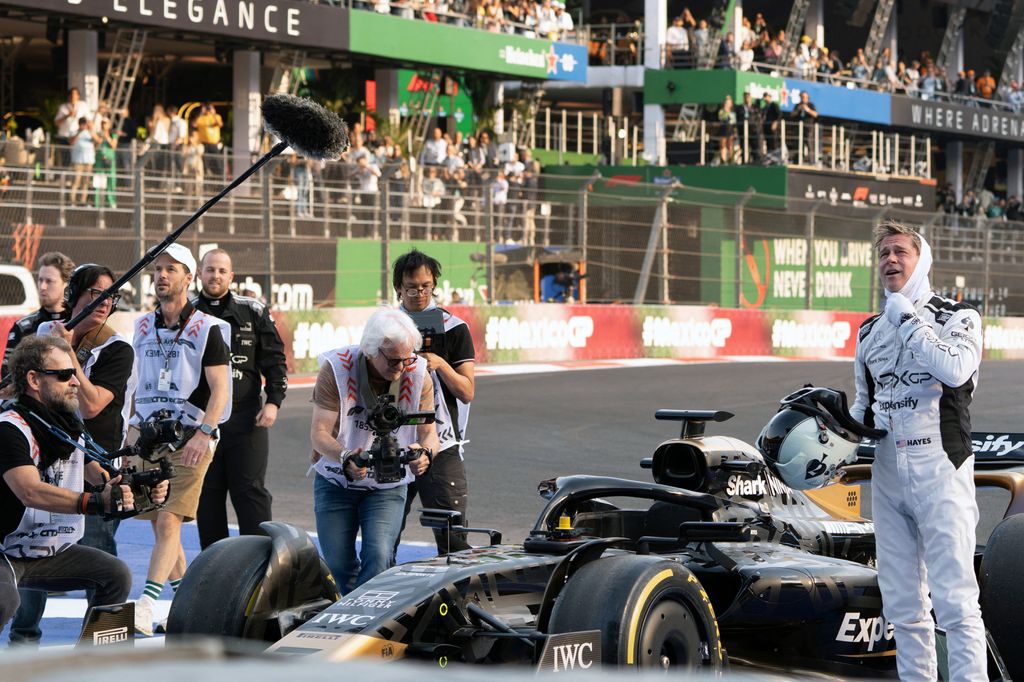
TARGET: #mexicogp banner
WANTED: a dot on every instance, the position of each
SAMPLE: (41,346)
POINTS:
(553,333)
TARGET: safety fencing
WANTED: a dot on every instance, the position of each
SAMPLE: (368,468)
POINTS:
(308,237)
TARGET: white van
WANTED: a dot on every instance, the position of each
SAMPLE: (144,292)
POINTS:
(18,295)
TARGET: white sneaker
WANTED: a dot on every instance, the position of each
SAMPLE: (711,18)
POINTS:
(144,616)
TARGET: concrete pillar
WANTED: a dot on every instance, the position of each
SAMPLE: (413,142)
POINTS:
(736,25)
(955,167)
(655,26)
(246,100)
(82,66)
(1015,172)
(815,25)
(891,40)
(654,134)
(387,90)
(497,100)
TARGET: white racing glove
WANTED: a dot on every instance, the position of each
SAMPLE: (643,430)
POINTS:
(898,309)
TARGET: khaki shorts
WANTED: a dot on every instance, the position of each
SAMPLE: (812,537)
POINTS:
(186,485)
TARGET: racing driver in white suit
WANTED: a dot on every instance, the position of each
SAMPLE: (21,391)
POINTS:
(916,370)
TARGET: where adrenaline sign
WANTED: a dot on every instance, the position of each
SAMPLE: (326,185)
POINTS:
(957,119)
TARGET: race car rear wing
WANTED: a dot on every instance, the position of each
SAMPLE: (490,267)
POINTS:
(992,450)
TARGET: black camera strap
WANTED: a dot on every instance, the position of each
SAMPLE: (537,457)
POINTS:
(89,447)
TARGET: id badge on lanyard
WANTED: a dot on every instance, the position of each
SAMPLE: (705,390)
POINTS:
(164,382)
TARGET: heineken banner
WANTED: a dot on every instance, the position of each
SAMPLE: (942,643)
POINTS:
(558,333)
(425,42)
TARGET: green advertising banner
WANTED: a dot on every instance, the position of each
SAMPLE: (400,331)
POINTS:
(792,273)
(425,42)
(357,275)
(707,87)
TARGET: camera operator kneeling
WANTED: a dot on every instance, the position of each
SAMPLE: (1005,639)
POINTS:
(42,478)
(346,400)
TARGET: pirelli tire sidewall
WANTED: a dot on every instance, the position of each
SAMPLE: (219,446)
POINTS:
(625,597)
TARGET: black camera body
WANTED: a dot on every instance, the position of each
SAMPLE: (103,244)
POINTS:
(430,324)
(385,458)
(161,428)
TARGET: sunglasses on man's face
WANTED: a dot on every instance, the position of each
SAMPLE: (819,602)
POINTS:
(63,375)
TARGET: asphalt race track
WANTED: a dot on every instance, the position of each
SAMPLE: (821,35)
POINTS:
(525,428)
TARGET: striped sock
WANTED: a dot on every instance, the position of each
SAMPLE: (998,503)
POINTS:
(153,590)
(174,584)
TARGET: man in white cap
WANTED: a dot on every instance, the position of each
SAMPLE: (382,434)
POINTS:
(183,366)
(916,370)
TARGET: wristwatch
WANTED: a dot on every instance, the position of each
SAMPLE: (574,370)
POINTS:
(207,429)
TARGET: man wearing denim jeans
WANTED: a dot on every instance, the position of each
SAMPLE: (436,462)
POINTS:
(347,499)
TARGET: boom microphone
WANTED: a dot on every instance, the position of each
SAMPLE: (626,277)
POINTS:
(300,123)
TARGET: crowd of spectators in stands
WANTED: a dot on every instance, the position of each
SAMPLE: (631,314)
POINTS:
(759,44)
(544,19)
(981,204)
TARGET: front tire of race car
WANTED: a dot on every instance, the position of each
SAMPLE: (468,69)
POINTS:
(217,591)
(1002,599)
(652,613)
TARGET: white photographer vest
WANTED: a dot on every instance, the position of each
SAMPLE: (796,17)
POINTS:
(152,345)
(94,354)
(42,534)
(446,431)
(352,431)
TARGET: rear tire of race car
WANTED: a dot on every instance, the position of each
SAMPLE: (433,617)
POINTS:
(1002,600)
(218,587)
(652,613)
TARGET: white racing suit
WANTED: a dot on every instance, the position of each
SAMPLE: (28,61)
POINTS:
(916,381)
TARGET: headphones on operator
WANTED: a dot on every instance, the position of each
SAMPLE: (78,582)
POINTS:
(81,277)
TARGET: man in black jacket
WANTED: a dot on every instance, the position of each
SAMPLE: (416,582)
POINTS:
(52,278)
(240,463)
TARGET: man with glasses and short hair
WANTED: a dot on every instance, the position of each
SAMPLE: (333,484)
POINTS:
(103,362)
(414,277)
(347,499)
(42,478)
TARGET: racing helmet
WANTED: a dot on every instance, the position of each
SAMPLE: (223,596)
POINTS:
(811,436)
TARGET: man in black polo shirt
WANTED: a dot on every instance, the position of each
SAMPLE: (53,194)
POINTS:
(240,463)
(443,486)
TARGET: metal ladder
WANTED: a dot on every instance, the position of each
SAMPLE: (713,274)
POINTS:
(950,38)
(879,26)
(688,123)
(794,28)
(122,70)
(422,105)
(986,151)
(524,125)
(716,29)
(289,73)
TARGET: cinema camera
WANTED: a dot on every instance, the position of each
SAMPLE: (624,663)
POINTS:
(430,324)
(160,429)
(385,458)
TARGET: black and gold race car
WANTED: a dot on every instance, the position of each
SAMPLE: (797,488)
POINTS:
(714,563)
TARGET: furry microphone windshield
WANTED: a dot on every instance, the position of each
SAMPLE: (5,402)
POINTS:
(308,128)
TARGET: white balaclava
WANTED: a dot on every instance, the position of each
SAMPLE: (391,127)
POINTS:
(918,286)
